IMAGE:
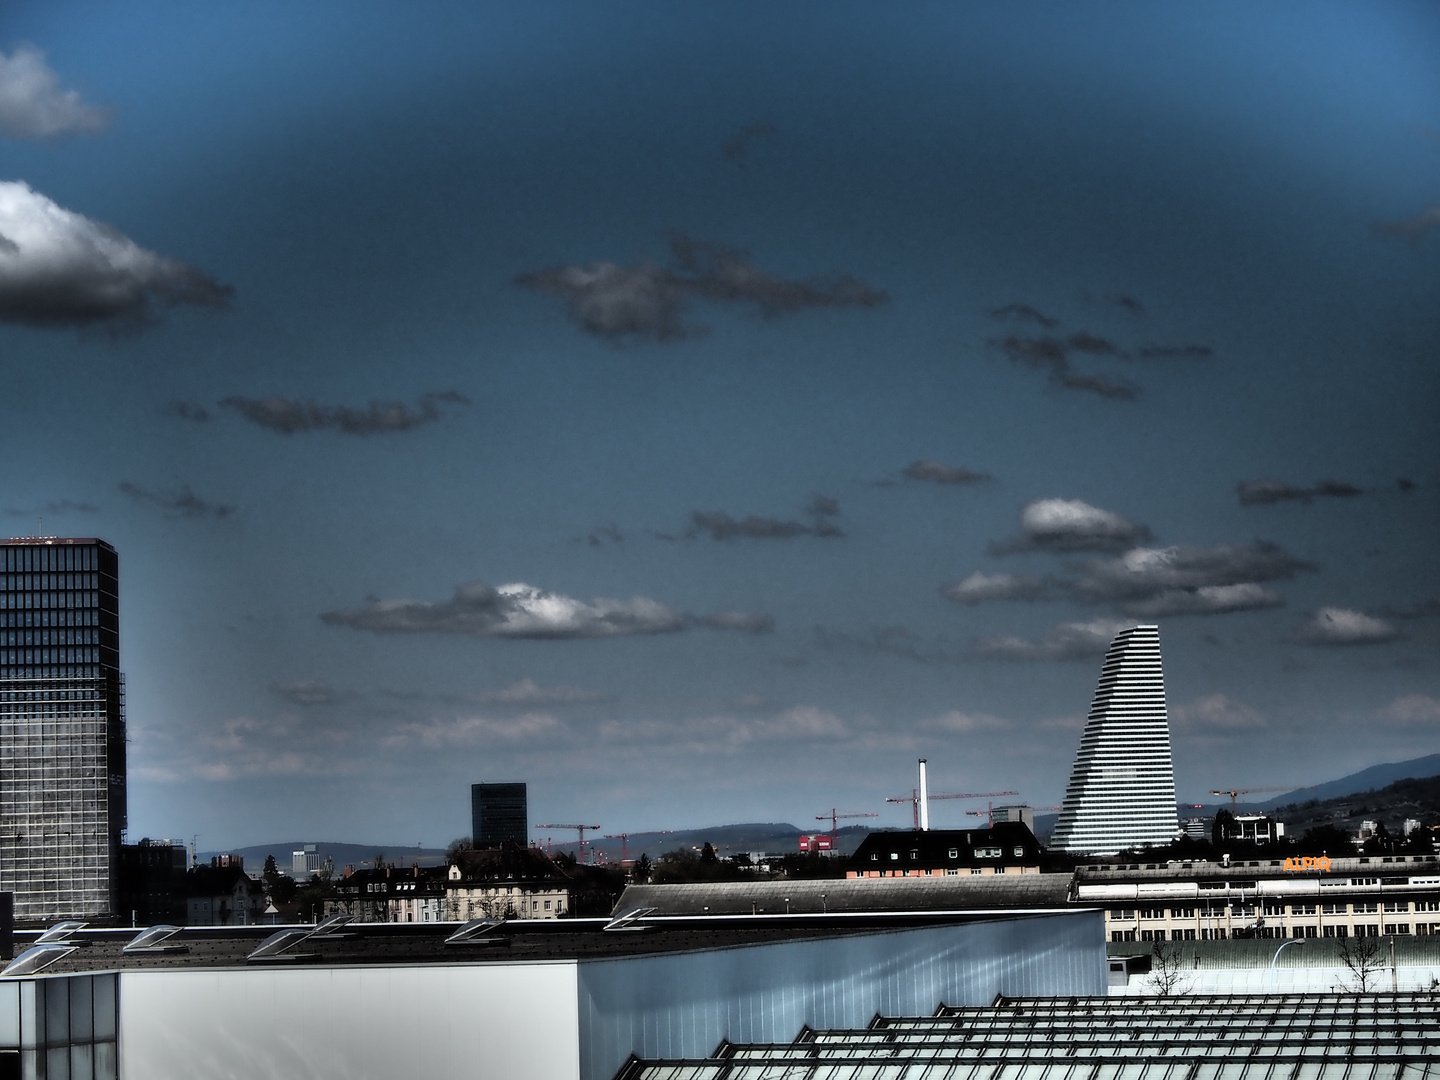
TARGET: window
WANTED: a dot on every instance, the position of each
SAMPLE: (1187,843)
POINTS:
(1331,909)
(1019,853)
(874,856)
(547,905)
(1274,909)
(1397,928)
(1183,913)
(1123,913)
(1366,909)
(987,853)
(914,854)
(894,856)
(954,853)
(1302,909)
(1397,905)
(1152,913)
(974,870)
(1152,935)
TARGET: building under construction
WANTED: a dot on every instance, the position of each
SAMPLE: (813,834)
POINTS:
(62,727)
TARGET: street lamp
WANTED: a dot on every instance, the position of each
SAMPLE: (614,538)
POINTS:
(1282,948)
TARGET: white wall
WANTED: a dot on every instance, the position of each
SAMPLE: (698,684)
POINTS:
(351,1023)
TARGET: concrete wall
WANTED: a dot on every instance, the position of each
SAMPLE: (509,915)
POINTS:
(350,1023)
(680,1005)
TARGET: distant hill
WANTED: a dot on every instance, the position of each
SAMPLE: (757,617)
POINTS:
(1377,776)
(775,837)
(1390,805)
(340,854)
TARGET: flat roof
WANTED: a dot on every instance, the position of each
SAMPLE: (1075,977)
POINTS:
(934,892)
(514,940)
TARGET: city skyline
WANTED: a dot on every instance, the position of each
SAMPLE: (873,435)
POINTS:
(699,415)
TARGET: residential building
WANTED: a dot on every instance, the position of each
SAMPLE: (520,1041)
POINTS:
(62,727)
(387,894)
(1007,847)
(222,894)
(509,881)
(1254,829)
(499,813)
(1121,793)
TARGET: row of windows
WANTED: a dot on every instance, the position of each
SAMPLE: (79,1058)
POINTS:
(82,636)
(1220,910)
(979,852)
(81,616)
(30,557)
(83,655)
(49,601)
(40,582)
(65,671)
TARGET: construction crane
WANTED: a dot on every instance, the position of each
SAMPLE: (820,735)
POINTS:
(624,838)
(914,799)
(1235,793)
(989,813)
(834,817)
(582,830)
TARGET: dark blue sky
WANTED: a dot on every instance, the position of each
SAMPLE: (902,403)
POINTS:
(701,413)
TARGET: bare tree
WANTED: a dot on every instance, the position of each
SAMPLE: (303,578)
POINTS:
(1167,969)
(1361,957)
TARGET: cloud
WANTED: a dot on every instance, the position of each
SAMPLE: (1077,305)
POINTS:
(719,525)
(738,145)
(1159,577)
(1130,304)
(180,503)
(1068,641)
(649,301)
(1413,709)
(955,722)
(61,506)
(305,692)
(1204,600)
(980,587)
(59,268)
(1216,713)
(1174,352)
(1412,229)
(529,692)
(937,472)
(744,622)
(379,417)
(885,640)
(605,534)
(32,105)
(512,611)
(1024,313)
(1344,626)
(1051,354)
(1071,525)
(186,410)
(1268,492)
(466,731)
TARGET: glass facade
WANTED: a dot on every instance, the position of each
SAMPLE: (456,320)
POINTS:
(62,727)
(498,813)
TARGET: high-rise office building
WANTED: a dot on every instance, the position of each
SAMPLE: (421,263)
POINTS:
(1122,788)
(62,727)
(498,812)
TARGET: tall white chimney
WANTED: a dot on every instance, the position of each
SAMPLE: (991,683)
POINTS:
(924,800)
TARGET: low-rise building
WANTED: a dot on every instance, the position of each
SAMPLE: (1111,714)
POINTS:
(505,882)
(221,894)
(1007,847)
(1265,898)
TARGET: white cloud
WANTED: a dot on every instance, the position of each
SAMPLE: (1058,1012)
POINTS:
(60,268)
(529,692)
(1205,600)
(1342,626)
(1216,712)
(1145,575)
(1413,709)
(306,692)
(980,587)
(532,727)
(32,104)
(955,722)
(1072,525)
(513,611)
(1068,641)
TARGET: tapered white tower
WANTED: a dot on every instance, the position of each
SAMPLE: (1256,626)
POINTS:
(1122,788)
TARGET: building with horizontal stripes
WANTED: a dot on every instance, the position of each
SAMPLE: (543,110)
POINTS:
(1121,793)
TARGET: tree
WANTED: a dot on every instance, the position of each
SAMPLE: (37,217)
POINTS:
(1223,827)
(1167,969)
(641,872)
(462,843)
(271,869)
(1361,957)
(707,854)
